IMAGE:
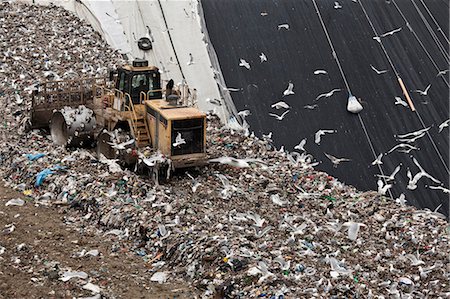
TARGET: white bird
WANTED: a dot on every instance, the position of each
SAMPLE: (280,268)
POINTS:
(353,229)
(191,59)
(320,72)
(195,183)
(412,134)
(442,73)
(19,99)
(279,117)
(391,32)
(382,188)
(121,146)
(401,200)
(262,57)
(445,124)
(415,261)
(403,147)
(267,136)
(279,105)
(244,113)
(275,198)
(393,174)
(424,92)
(255,218)
(214,101)
(283,26)
(412,184)
(289,89)
(336,160)
(378,161)
(225,88)
(244,63)
(259,233)
(399,101)
(301,145)
(377,71)
(311,107)
(337,5)
(320,133)
(328,94)
(377,38)
(445,190)
(240,163)
(179,140)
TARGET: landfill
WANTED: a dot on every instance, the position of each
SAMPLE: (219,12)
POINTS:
(255,222)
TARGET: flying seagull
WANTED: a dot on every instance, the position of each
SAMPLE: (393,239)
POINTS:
(377,71)
(399,101)
(320,133)
(403,147)
(444,125)
(263,57)
(382,188)
(244,113)
(328,94)
(279,117)
(378,161)
(289,89)
(279,105)
(442,73)
(391,32)
(445,190)
(412,184)
(425,92)
(311,107)
(320,72)
(393,174)
(179,140)
(337,5)
(301,145)
(244,63)
(122,145)
(283,26)
(336,160)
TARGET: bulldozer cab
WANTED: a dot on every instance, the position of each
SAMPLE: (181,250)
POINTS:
(139,77)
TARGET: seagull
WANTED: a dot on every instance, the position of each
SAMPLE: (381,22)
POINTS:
(404,147)
(259,233)
(393,174)
(244,113)
(382,188)
(415,261)
(195,183)
(328,94)
(279,117)
(241,163)
(283,26)
(425,92)
(353,229)
(268,136)
(445,190)
(289,89)
(378,161)
(122,145)
(399,101)
(224,88)
(335,160)
(377,71)
(391,32)
(442,73)
(214,101)
(191,59)
(337,5)
(320,133)
(444,125)
(301,145)
(263,57)
(320,72)
(412,184)
(256,218)
(179,140)
(19,100)
(401,200)
(311,107)
(413,134)
(280,104)
(377,38)
(244,63)
(277,200)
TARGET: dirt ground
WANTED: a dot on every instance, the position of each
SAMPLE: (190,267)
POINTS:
(33,270)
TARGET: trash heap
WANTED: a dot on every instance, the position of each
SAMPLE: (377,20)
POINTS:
(255,223)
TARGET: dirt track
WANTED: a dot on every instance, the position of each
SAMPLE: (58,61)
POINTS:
(50,240)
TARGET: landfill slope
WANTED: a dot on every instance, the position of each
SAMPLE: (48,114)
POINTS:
(245,29)
(264,224)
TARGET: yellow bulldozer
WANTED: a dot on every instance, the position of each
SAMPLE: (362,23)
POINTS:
(127,111)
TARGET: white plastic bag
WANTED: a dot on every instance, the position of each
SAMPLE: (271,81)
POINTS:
(353,105)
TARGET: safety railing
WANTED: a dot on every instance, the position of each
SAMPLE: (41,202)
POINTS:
(129,106)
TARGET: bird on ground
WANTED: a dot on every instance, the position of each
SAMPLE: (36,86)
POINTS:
(121,146)
(337,5)
(283,26)
(262,57)
(393,174)
(301,145)
(391,32)
(179,140)
(279,105)
(259,233)
(445,190)
(328,94)
(320,72)
(289,89)
(399,101)
(336,160)
(442,73)
(320,133)
(195,183)
(377,71)
(244,63)
(277,200)
(382,188)
(279,117)
(191,59)
(415,261)
(311,107)
(424,92)
(378,161)
(443,125)
(255,218)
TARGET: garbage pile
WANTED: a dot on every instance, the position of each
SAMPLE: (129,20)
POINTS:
(254,222)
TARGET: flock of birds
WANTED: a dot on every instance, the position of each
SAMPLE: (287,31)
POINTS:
(405,142)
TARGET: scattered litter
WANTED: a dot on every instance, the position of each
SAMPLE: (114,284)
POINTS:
(95,289)
(69,275)
(15,202)
(159,277)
